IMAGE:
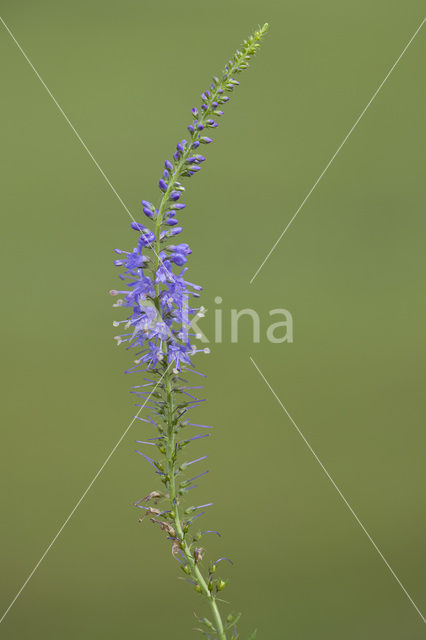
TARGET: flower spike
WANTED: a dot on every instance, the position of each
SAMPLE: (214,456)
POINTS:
(159,300)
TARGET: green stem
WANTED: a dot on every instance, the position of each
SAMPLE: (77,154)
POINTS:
(239,62)
(166,379)
(195,570)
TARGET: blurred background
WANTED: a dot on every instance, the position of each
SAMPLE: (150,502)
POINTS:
(350,269)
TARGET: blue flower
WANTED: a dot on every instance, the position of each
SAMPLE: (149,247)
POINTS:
(159,301)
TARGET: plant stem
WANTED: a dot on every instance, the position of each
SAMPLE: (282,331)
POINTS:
(183,166)
(195,571)
(166,378)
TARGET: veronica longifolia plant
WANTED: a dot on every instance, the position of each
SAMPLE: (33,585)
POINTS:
(159,326)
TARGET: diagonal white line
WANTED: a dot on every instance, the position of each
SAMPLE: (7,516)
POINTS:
(337,489)
(102,172)
(84,494)
(80,139)
(318,180)
(80,500)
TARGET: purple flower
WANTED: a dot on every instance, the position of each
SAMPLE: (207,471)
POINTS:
(179,253)
(137,226)
(178,355)
(161,308)
(148,212)
(146,239)
(154,355)
(134,260)
(163,273)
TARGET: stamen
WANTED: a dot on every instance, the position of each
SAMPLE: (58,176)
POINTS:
(194,461)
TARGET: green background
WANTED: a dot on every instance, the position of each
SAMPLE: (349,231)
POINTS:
(350,269)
